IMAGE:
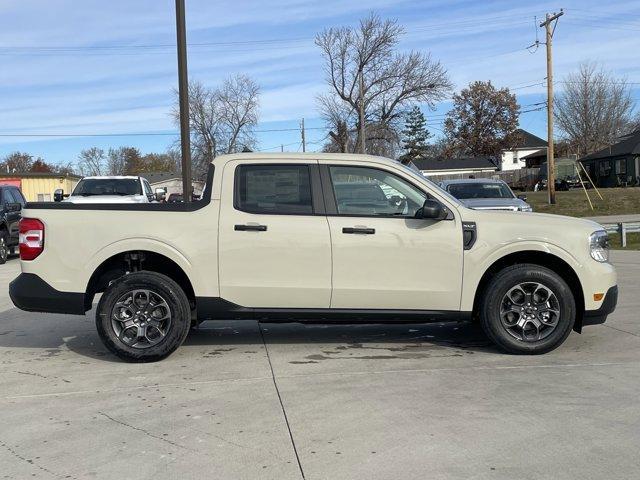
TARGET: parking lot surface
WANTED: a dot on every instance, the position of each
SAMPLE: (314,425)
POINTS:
(291,401)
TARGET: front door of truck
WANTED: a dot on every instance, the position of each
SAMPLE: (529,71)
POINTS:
(384,257)
(274,243)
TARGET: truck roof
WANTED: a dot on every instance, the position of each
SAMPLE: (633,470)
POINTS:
(337,157)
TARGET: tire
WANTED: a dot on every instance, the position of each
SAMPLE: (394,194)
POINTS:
(527,309)
(143,302)
(4,248)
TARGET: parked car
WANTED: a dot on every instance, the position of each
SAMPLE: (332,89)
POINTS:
(486,194)
(11,203)
(115,189)
(291,237)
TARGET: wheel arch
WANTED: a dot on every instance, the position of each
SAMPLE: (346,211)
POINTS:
(121,263)
(545,259)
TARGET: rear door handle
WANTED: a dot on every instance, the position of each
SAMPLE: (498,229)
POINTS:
(250,228)
(359,231)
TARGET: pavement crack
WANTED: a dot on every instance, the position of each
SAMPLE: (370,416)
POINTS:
(147,433)
(284,412)
(623,331)
(31,462)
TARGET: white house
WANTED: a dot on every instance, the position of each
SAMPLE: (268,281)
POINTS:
(171,182)
(528,144)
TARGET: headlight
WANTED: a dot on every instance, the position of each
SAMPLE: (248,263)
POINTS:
(599,246)
(526,208)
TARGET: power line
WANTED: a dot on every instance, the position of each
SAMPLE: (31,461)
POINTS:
(138,134)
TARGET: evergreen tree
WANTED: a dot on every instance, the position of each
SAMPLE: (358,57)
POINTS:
(415,136)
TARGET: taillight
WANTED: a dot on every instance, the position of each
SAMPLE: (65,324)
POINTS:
(31,238)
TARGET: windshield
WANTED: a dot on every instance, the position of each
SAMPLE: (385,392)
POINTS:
(108,186)
(480,190)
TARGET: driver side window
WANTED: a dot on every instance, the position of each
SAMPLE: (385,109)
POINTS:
(367,191)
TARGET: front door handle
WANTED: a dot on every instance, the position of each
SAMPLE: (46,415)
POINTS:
(359,231)
(250,228)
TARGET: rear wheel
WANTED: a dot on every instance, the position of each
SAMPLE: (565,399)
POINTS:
(4,249)
(143,317)
(527,309)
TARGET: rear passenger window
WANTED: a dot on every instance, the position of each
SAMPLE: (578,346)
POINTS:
(274,189)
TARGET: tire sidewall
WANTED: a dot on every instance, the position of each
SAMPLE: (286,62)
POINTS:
(507,279)
(166,288)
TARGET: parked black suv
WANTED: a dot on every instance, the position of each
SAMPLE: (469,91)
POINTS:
(11,203)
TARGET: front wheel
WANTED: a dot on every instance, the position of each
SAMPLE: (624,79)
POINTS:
(143,317)
(527,309)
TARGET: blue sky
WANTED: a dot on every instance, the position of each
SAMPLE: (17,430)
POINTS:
(96,67)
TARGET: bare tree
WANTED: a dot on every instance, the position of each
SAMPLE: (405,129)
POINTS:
(222,119)
(593,109)
(391,82)
(238,100)
(92,161)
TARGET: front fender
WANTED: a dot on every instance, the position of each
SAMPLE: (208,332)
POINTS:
(479,259)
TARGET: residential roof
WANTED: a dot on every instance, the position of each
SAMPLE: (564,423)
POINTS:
(536,154)
(529,140)
(628,145)
(39,175)
(466,163)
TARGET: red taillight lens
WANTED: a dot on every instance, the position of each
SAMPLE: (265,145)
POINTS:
(31,238)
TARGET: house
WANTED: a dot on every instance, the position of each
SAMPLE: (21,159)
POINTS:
(171,182)
(39,187)
(616,165)
(434,167)
(528,152)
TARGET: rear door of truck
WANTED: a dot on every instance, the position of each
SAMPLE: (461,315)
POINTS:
(274,241)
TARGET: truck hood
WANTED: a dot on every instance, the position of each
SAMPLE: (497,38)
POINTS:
(567,232)
(495,203)
(107,199)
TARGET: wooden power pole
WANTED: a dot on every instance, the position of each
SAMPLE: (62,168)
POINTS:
(304,140)
(550,25)
(183,92)
(363,148)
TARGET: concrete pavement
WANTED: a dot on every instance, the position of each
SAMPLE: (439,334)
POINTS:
(326,402)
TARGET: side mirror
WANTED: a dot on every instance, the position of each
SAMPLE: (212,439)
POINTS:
(160,194)
(13,207)
(432,209)
(58,195)
(522,197)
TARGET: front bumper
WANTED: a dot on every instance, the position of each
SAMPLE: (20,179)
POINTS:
(30,293)
(596,317)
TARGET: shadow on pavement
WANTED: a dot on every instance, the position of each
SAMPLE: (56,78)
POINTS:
(52,334)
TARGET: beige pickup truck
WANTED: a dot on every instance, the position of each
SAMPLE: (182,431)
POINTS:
(313,237)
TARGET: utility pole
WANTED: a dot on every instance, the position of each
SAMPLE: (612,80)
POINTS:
(304,140)
(550,21)
(183,92)
(363,148)
(282,148)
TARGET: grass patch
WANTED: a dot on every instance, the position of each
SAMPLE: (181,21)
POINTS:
(633,241)
(617,201)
